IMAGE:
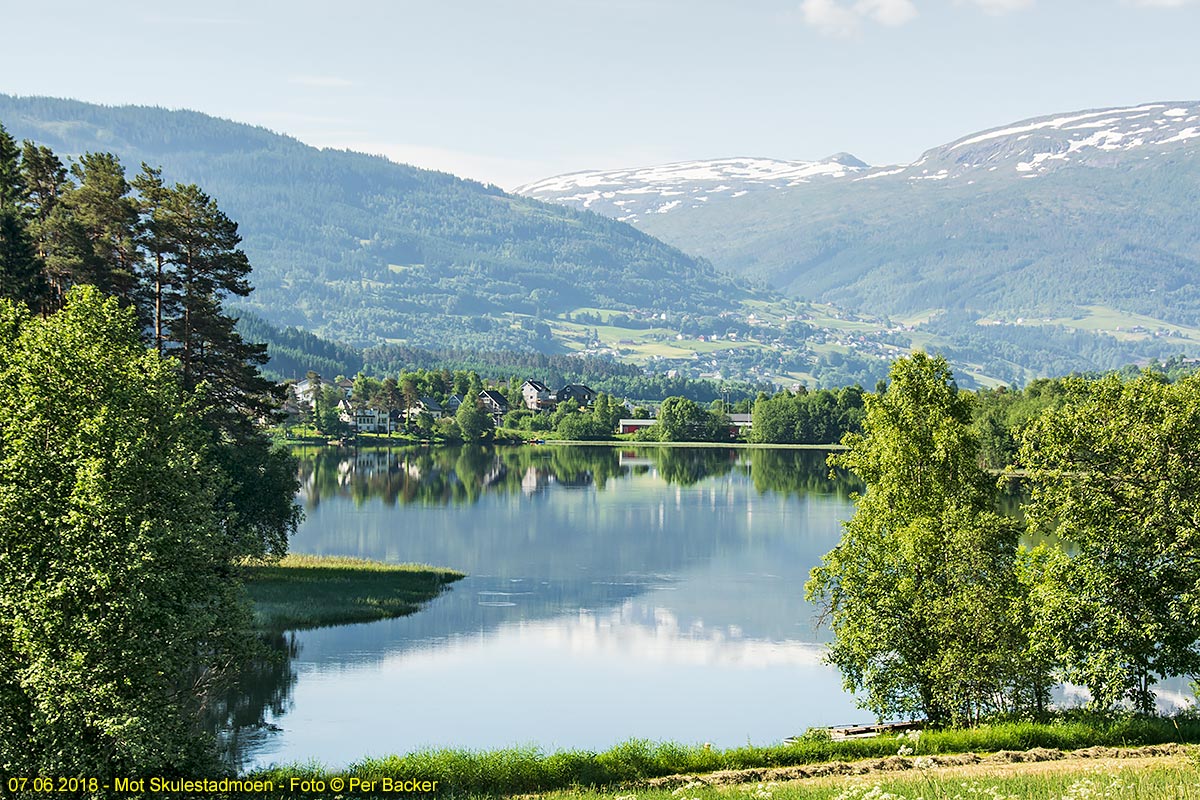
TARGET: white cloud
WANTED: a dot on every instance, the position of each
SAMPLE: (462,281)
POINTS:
(833,18)
(829,17)
(887,12)
(1161,3)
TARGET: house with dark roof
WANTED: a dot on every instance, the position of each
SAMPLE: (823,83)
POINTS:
(581,394)
(429,406)
(537,396)
(494,403)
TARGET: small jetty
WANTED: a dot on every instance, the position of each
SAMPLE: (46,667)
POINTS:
(840,732)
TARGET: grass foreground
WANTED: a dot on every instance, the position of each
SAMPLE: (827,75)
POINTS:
(1120,775)
(302,591)
(650,771)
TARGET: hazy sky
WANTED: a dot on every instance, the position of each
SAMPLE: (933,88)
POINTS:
(510,91)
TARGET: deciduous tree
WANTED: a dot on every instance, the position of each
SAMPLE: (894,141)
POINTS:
(1115,472)
(119,603)
(922,592)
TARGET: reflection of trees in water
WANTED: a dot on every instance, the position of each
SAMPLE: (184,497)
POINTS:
(462,475)
(237,715)
(687,466)
(800,473)
(449,475)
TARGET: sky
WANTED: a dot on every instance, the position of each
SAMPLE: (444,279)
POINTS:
(511,91)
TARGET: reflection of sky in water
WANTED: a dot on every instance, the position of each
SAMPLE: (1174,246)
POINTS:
(643,610)
(1170,695)
(585,681)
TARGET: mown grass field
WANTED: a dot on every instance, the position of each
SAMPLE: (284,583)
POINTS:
(650,771)
(1129,777)
(1102,319)
(303,591)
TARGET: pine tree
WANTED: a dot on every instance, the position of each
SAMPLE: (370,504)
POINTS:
(156,238)
(20,269)
(101,204)
(207,267)
(59,240)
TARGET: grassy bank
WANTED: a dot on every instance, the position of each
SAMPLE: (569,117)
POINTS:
(313,591)
(527,770)
(1127,775)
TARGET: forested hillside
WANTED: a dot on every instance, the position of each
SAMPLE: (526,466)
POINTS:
(365,251)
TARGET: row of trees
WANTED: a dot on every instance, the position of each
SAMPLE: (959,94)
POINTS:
(938,610)
(818,417)
(134,472)
(168,252)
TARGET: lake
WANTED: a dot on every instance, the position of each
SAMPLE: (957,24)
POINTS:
(612,594)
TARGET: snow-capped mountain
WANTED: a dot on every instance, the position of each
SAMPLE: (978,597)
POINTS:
(1099,138)
(1041,217)
(1026,149)
(629,194)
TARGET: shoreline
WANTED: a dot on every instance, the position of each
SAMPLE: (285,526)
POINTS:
(384,444)
(667,767)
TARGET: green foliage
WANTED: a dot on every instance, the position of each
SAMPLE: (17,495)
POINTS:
(683,420)
(327,415)
(474,423)
(1115,472)
(294,352)
(118,606)
(819,417)
(1002,415)
(921,591)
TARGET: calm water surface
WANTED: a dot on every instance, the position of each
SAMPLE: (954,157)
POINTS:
(612,594)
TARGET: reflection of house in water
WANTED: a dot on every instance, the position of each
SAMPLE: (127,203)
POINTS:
(371,461)
(534,481)
(630,458)
(576,480)
(495,473)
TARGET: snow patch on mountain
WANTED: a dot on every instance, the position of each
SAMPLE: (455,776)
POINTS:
(1026,149)
(1037,146)
(611,191)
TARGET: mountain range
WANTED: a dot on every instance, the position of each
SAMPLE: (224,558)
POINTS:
(1042,218)
(1060,243)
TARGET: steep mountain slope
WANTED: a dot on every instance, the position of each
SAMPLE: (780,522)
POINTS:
(364,250)
(1040,218)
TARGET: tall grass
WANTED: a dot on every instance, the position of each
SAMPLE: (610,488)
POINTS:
(302,591)
(527,770)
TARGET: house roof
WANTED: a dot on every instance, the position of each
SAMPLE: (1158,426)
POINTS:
(537,385)
(429,404)
(495,397)
(574,390)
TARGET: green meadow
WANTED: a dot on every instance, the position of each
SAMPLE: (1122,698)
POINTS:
(302,591)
